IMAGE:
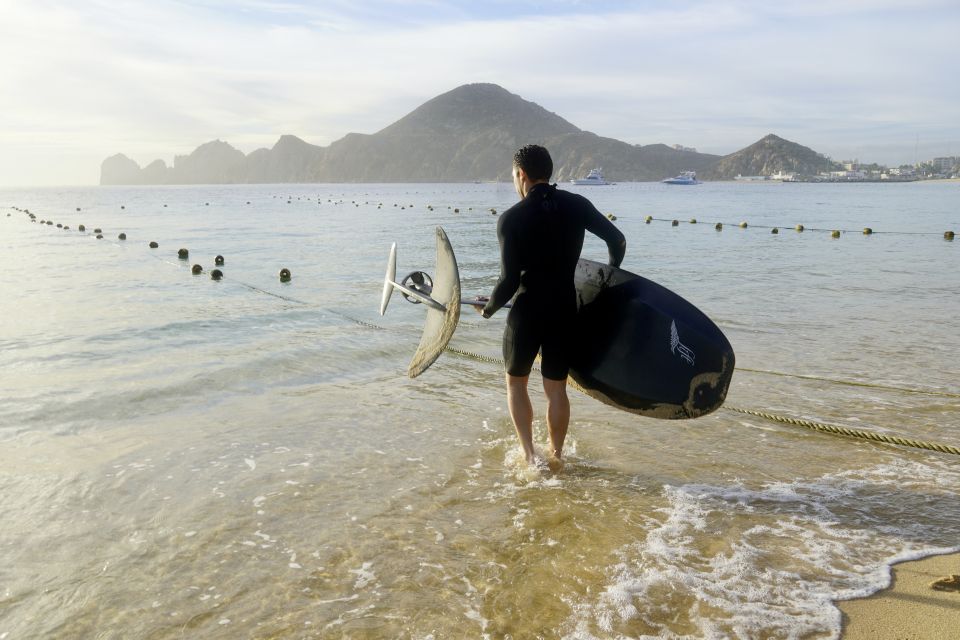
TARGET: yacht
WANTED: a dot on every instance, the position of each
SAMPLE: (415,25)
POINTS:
(687,177)
(594,177)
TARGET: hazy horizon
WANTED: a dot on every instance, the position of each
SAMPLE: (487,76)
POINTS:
(864,80)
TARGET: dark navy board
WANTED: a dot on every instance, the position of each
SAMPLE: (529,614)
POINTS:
(642,348)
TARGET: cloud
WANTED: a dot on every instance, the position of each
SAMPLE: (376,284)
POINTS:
(154,79)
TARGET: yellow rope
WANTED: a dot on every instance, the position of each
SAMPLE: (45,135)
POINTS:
(853,433)
(809,424)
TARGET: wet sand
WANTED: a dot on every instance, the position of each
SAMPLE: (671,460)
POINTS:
(910,608)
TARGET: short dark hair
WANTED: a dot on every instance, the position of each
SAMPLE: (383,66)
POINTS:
(535,161)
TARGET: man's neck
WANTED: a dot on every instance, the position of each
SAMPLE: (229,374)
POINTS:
(534,185)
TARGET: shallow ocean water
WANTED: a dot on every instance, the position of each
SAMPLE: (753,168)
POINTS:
(246,458)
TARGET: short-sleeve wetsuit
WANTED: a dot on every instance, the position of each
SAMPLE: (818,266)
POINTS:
(540,241)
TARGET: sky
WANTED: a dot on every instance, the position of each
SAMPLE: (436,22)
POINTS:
(80,80)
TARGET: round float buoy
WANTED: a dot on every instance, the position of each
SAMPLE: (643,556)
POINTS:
(206,204)
(835,234)
(99,236)
(455,210)
(164,206)
(98,230)
(218,261)
(154,245)
(59,226)
(183,254)
(196,269)
(867,231)
(743,225)
(948,235)
(719,226)
(799,227)
(49,223)
(66,228)
(693,221)
(122,236)
(493,211)
(284,275)
(216,274)
(81,228)
(78,208)
(675,223)
(774,230)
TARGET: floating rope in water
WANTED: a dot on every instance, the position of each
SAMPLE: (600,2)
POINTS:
(852,433)
(851,383)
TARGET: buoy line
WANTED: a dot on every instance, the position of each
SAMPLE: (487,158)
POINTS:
(219,261)
(799,228)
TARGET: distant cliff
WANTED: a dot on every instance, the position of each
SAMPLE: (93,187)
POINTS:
(469,133)
(770,155)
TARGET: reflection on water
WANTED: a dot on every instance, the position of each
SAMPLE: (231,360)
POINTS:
(189,458)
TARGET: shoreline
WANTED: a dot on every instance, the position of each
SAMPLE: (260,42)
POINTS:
(908,608)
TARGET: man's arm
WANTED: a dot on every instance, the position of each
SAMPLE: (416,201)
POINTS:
(598,225)
(509,280)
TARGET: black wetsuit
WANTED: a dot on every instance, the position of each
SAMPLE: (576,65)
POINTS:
(540,241)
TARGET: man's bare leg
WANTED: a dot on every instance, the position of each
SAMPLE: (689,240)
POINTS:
(521,411)
(558,413)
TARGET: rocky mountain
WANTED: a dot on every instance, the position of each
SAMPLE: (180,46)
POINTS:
(467,134)
(770,155)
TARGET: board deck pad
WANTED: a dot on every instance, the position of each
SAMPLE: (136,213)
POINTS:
(644,349)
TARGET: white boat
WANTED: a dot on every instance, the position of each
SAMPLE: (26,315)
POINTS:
(594,177)
(687,177)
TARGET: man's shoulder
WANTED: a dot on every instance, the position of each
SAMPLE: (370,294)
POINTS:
(512,212)
(574,201)
(570,196)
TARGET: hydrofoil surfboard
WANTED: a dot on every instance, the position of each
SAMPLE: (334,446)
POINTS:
(639,346)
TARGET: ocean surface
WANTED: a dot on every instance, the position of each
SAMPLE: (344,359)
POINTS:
(189,458)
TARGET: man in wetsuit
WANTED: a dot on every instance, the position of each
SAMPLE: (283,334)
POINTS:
(540,242)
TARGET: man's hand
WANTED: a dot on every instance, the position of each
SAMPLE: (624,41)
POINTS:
(480,303)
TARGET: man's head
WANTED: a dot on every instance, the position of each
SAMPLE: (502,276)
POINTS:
(531,164)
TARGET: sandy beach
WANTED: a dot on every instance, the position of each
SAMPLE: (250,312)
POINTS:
(910,608)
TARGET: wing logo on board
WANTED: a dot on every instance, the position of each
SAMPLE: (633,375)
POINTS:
(677,347)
